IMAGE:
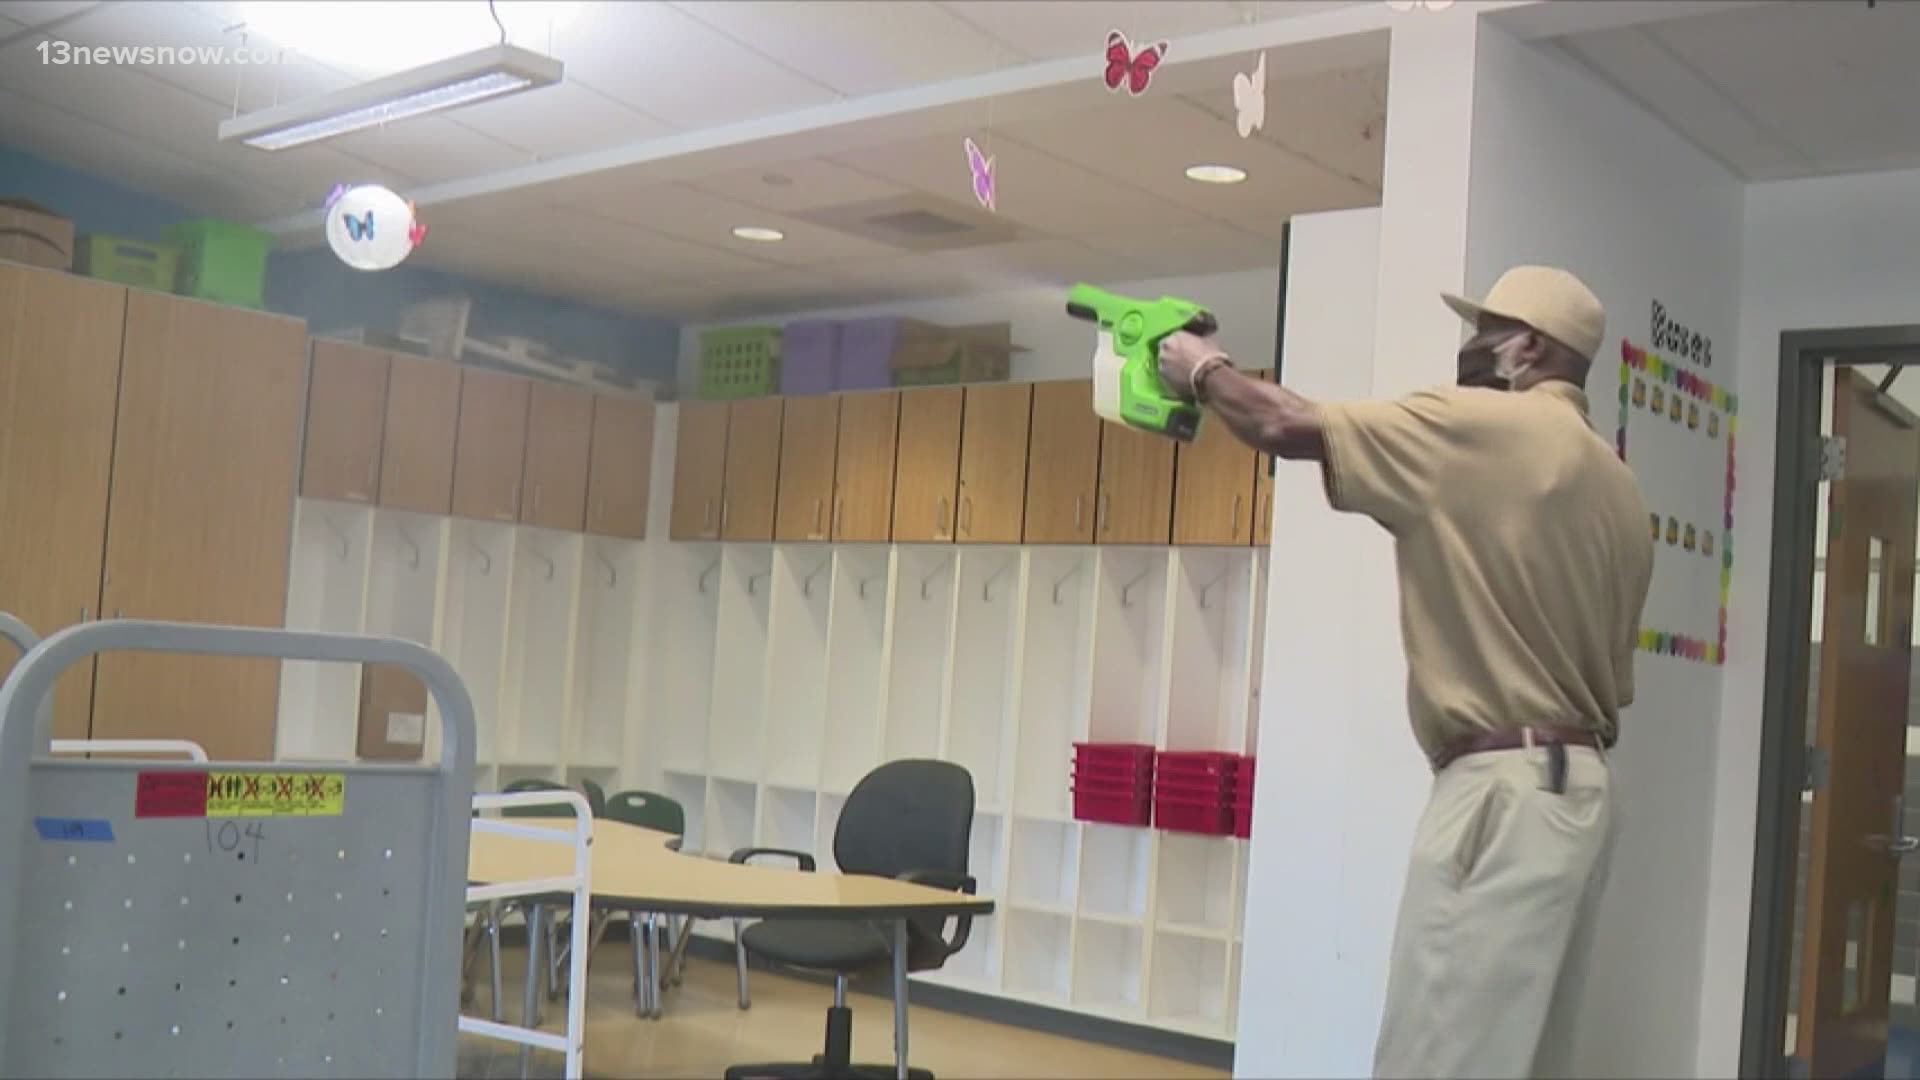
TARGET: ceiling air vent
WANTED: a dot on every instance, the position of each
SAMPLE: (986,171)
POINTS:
(916,222)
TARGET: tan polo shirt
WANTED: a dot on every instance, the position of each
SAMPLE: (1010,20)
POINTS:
(1523,550)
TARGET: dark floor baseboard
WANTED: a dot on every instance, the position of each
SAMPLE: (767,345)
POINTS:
(1138,1038)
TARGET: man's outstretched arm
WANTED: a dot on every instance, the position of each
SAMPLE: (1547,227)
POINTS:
(1266,416)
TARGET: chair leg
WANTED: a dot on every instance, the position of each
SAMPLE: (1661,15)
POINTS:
(657,989)
(740,965)
(900,998)
(643,976)
(678,945)
(493,961)
(531,1004)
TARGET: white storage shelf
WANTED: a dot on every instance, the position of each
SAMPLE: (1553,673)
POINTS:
(755,684)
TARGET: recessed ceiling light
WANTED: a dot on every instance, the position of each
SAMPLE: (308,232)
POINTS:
(755,232)
(1216,174)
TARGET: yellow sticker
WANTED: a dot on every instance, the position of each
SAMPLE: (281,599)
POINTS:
(271,794)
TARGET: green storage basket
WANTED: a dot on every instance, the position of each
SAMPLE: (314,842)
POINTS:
(222,261)
(126,262)
(739,362)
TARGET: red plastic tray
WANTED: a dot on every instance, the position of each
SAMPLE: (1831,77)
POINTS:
(1110,774)
(1180,815)
(1243,820)
(1111,808)
(1127,755)
(1201,762)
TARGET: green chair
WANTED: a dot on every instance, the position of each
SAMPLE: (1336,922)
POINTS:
(596,797)
(519,787)
(650,810)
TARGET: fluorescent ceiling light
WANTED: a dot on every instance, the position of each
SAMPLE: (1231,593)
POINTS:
(367,38)
(461,80)
(1216,174)
(755,232)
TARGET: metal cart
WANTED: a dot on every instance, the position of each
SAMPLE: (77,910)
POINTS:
(183,918)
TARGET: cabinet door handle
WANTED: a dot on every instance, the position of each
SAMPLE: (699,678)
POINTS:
(725,506)
(1233,519)
(940,519)
(816,518)
(83,614)
(1266,507)
(599,509)
(966,514)
(706,516)
(1079,511)
(536,498)
(373,478)
(1104,519)
(837,507)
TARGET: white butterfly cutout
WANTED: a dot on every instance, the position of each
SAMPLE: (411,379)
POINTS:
(1250,98)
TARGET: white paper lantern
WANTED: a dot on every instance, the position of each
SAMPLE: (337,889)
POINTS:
(371,228)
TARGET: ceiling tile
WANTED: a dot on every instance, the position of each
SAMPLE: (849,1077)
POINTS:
(1034,189)
(857,47)
(690,214)
(41,12)
(798,186)
(997,267)
(564,231)
(10,26)
(1205,249)
(1336,120)
(669,65)
(430,149)
(566,118)
(1064,27)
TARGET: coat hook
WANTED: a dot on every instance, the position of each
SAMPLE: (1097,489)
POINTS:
(413,561)
(613,576)
(486,560)
(1208,587)
(751,578)
(536,553)
(1127,589)
(928,580)
(806,583)
(986,590)
(1062,580)
(863,586)
(345,547)
(708,572)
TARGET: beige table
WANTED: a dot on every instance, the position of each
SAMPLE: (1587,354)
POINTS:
(635,869)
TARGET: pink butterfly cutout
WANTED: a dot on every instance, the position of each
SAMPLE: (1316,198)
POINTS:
(1127,67)
(981,166)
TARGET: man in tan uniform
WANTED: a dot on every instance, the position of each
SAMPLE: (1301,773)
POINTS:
(1524,561)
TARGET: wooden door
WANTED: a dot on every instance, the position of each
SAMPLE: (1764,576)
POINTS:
(206,449)
(1213,488)
(553,494)
(620,466)
(863,473)
(1063,463)
(346,411)
(60,350)
(699,470)
(490,446)
(1858,825)
(993,463)
(422,418)
(1136,487)
(1263,492)
(926,496)
(753,470)
(809,440)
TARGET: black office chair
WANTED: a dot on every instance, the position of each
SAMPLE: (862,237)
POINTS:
(911,820)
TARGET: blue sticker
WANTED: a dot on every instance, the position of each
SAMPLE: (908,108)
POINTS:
(75,830)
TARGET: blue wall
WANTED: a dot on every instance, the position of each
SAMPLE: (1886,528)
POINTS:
(331,297)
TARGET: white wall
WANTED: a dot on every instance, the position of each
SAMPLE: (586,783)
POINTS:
(1834,252)
(1059,347)
(1567,172)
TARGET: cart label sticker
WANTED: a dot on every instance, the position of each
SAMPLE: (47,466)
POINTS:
(75,830)
(170,795)
(269,794)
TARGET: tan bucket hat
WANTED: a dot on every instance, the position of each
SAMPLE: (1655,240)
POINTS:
(1550,300)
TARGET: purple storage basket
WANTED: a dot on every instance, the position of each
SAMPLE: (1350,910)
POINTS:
(809,352)
(866,353)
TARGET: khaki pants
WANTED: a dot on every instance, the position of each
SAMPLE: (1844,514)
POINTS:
(1502,873)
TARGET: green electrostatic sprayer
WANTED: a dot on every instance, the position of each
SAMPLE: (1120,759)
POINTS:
(1127,387)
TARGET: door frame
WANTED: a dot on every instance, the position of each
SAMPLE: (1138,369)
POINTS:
(1804,357)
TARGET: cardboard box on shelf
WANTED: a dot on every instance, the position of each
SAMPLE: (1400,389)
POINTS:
(959,354)
(393,714)
(34,235)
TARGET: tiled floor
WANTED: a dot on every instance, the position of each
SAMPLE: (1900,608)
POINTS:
(703,1032)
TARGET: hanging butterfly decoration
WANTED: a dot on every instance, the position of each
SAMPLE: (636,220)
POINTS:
(980,166)
(1129,67)
(1250,99)
(370,227)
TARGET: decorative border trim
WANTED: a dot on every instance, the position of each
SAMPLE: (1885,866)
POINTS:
(1669,374)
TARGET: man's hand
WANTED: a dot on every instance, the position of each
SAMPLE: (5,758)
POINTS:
(1180,354)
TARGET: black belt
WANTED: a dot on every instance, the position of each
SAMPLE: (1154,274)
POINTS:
(1555,740)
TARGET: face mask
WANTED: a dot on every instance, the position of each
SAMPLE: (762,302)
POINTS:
(1494,364)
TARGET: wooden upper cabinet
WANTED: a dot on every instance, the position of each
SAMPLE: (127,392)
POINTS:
(620,466)
(206,456)
(1263,492)
(422,416)
(553,492)
(1063,463)
(809,436)
(863,471)
(346,412)
(1213,487)
(490,447)
(753,470)
(1136,487)
(926,499)
(699,469)
(60,348)
(993,463)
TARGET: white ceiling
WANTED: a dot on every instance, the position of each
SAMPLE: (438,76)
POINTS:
(1779,90)
(1091,183)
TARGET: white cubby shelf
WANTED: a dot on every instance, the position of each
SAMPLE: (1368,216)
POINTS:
(756,683)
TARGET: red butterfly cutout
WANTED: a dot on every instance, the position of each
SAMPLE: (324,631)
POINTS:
(1134,69)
